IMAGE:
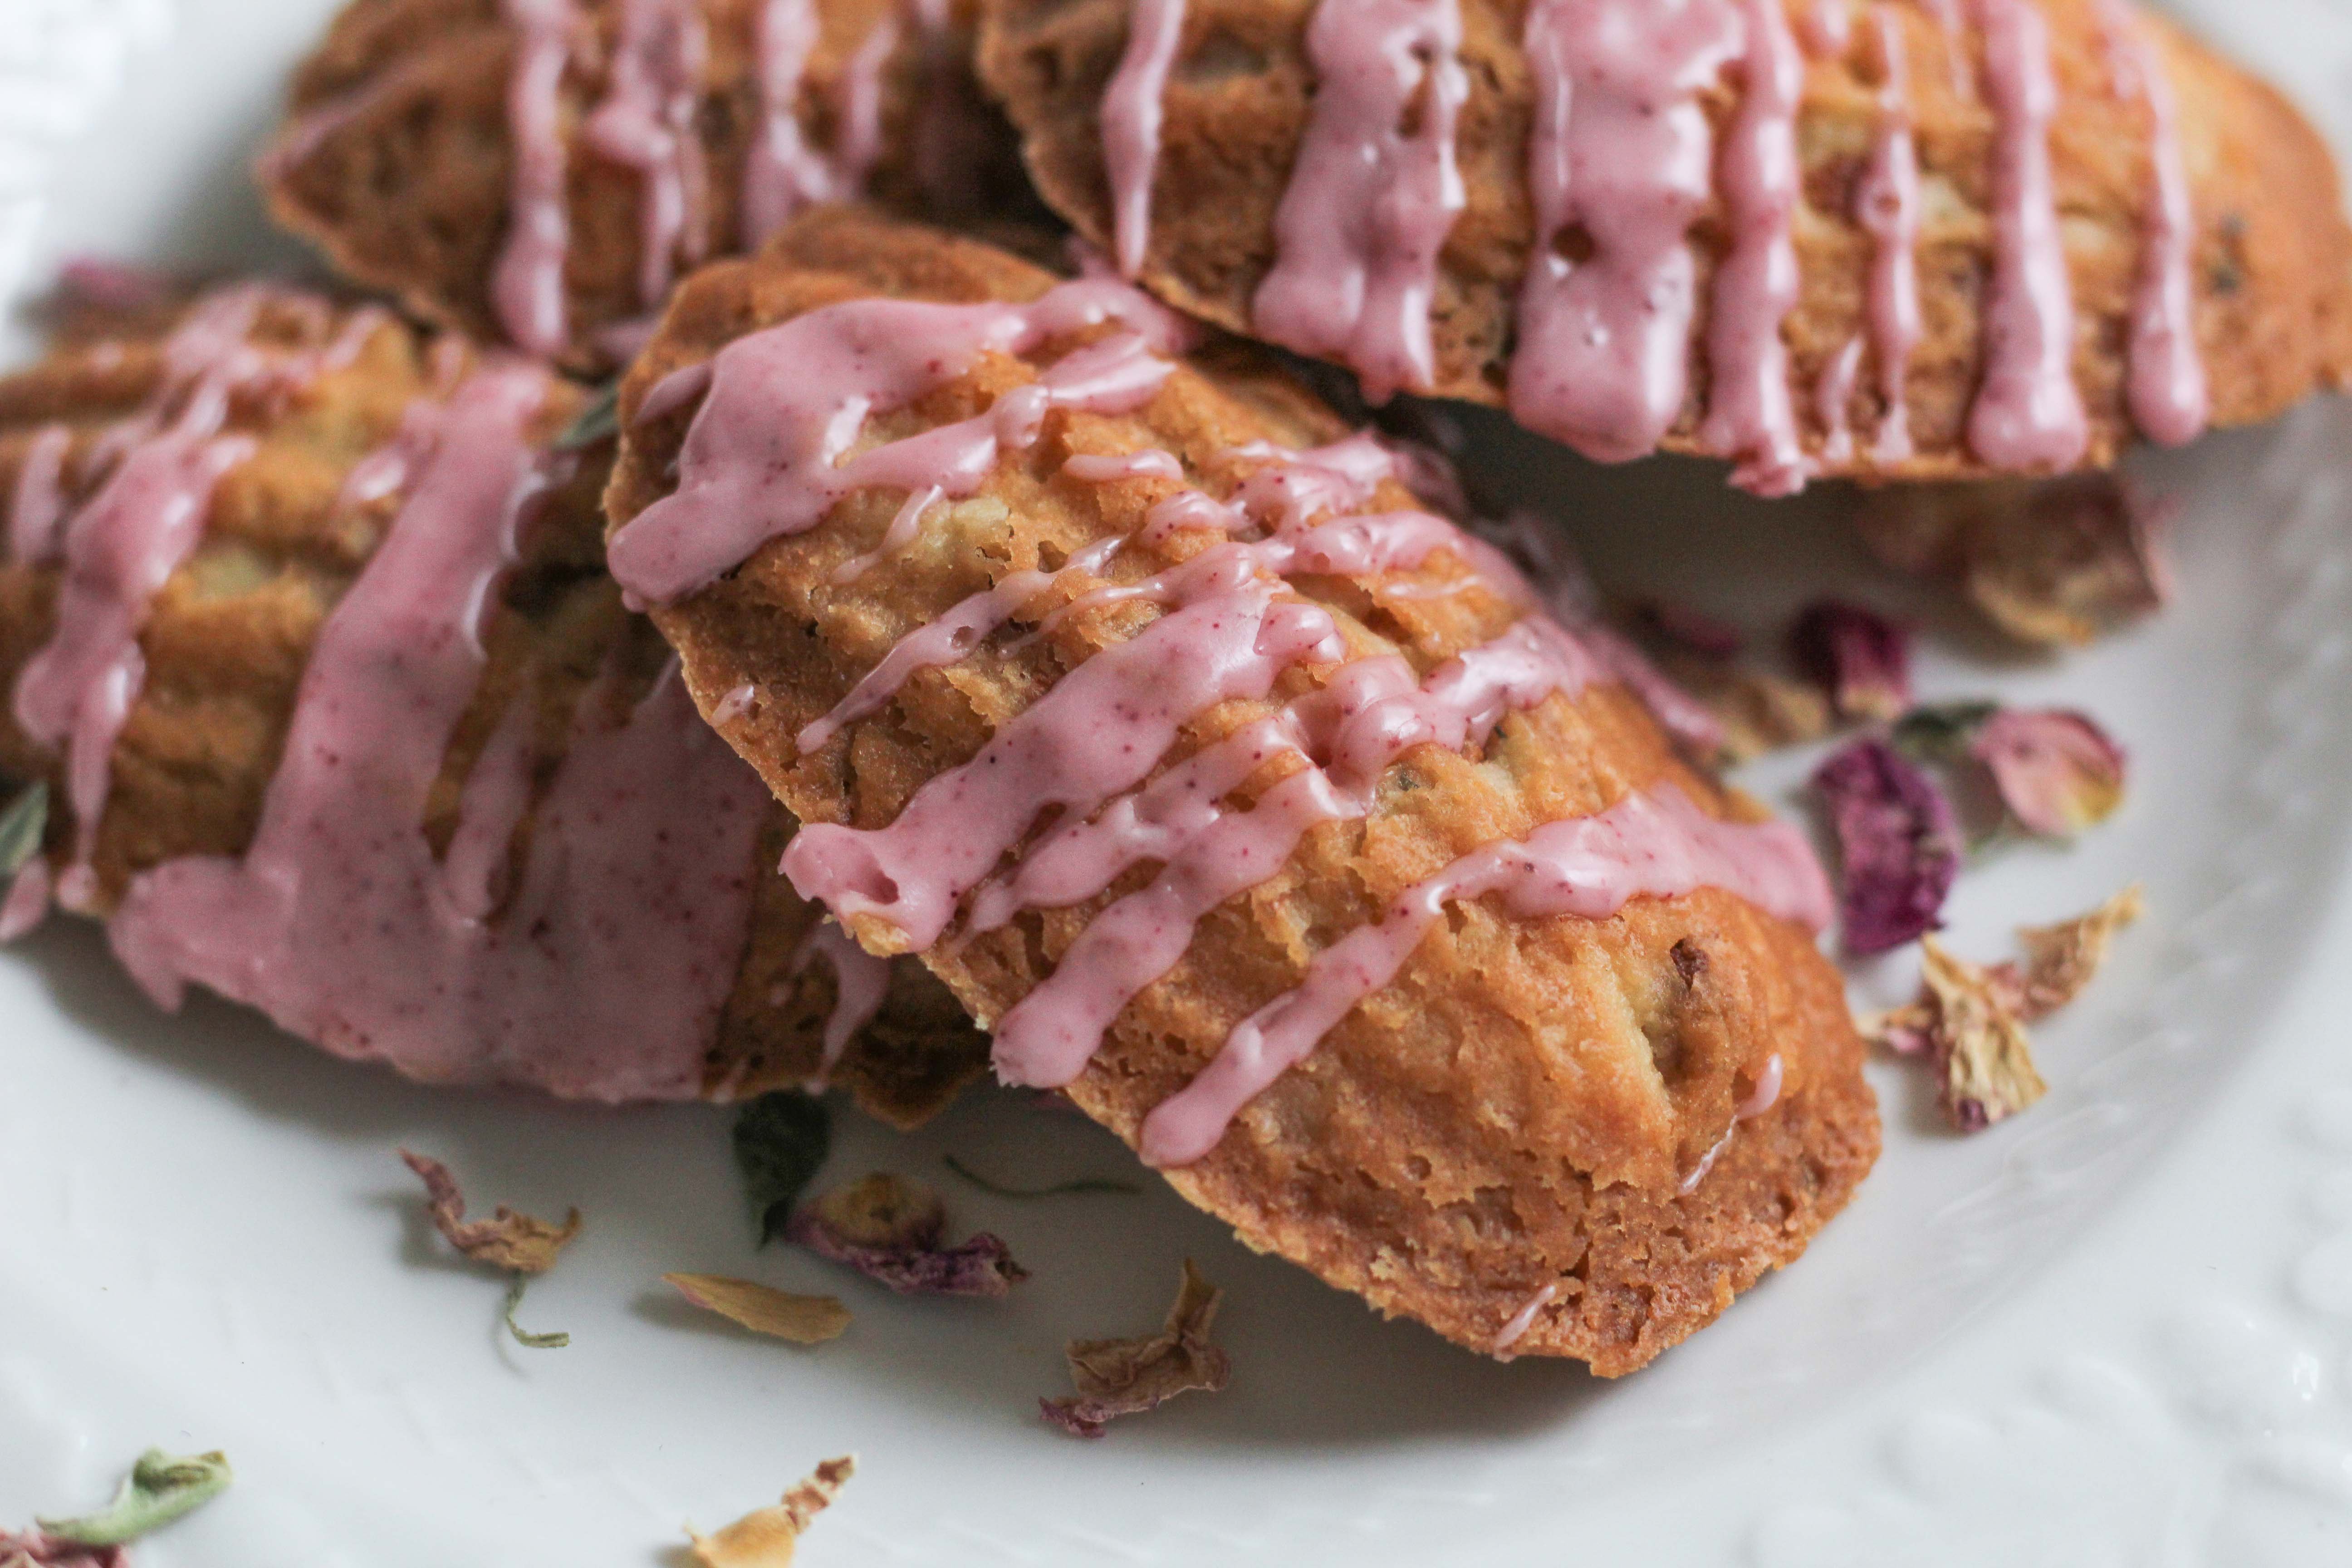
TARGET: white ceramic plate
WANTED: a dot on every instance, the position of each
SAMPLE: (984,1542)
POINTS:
(2114,1332)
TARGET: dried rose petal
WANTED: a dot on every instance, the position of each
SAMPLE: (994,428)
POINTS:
(763,1310)
(767,1537)
(1123,1378)
(1859,657)
(1985,1070)
(506,1240)
(2051,561)
(2057,771)
(1899,841)
(888,1228)
(2060,959)
(1970,1019)
(1759,711)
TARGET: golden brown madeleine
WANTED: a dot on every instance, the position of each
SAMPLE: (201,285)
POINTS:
(541,170)
(1522,1141)
(1912,150)
(287,526)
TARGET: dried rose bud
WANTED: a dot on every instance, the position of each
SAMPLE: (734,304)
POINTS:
(889,1228)
(2057,771)
(1859,657)
(1899,841)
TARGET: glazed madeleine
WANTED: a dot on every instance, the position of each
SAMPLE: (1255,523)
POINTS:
(1866,238)
(542,171)
(1236,794)
(306,624)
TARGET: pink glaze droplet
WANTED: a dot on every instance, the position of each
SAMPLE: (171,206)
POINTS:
(2028,413)
(1886,205)
(860,983)
(1750,416)
(1132,108)
(527,283)
(1364,218)
(1618,165)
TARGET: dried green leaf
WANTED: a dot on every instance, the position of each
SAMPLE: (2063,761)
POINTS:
(781,1141)
(1940,731)
(763,1310)
(160,1489)
(22,826)
(597,422)
(1059,1189)
(515,1242)
(1122,1377)
(554,1341)
(766,1538)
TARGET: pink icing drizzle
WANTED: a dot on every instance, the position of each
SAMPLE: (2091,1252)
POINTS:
(1829,27)
(1370,716)
(2028,413)
(2165,386)
(763,456)
(1887,204)
(1657,845)
(1618,159)
(527,286)
(646,120)
(1519,1323)
(606,975)
(1750,416)
(39,505)
(1833,390)
(1096,734)
(124,542)
(783,174)
(1131,110)
(1762,1099)
(1365,216)
(861,982)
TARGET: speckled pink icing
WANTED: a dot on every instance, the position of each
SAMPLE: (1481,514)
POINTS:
(783,173)
(1368,203)
(604,975)
(861,982)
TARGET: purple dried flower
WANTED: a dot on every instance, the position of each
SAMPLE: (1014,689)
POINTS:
(2057,771)
(1899,840)
(41,1550)
(888,1228)
(1862,658)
